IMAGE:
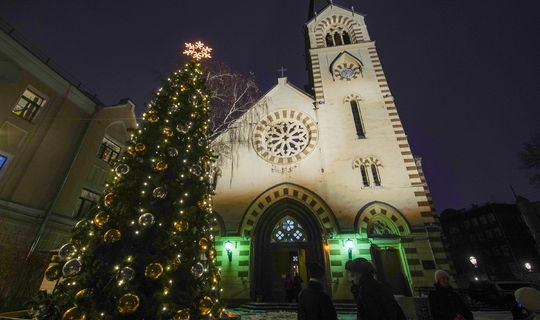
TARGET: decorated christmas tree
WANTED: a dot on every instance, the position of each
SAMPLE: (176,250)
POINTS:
(148,250)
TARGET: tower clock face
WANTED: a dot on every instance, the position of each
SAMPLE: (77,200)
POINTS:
(347,73)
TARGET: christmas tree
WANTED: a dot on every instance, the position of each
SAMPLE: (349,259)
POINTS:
(148,251)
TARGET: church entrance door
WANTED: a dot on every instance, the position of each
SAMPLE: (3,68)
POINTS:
(387,262)
(286,237)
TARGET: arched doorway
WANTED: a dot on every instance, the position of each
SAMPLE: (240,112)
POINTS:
(286,236)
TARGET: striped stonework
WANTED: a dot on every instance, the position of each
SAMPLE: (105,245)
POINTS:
(335,23)
(366,161)
(380,210)
(320,209)
(351,97)
(317,80)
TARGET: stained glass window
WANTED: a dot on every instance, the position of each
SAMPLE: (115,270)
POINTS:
(288,230)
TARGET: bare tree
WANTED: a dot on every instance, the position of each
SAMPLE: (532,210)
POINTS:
(531,157)
(232,94)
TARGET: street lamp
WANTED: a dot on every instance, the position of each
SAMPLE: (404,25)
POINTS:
(473,260)
(228,248)
(349,244)
(528,266)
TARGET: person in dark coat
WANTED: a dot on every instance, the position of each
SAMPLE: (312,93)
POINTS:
(444,303)
(374,299)
(313,302)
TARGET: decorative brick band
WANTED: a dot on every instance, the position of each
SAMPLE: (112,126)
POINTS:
(337,22)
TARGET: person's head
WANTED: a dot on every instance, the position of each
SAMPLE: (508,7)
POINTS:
(315,271)
(442,278)
(357,268)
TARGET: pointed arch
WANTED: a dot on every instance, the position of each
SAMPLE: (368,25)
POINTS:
(338,23)
(343,61)
(378,211)
(352,96)
(368,160)
(321,211)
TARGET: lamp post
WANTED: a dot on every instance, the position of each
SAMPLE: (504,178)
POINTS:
(228,248)
(528,266)
(349,244)
(474,262)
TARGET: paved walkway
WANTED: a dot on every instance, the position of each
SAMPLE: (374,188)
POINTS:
(287,315)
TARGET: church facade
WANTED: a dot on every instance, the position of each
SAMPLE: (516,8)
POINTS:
(324,177)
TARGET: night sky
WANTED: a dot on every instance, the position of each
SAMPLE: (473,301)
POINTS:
(465,74)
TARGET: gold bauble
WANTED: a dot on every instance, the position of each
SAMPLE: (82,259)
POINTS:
(109,198)
(203,243)
(75,242)
(182,314)
(129,150)
(168,132)
(181,225)
(112,235)
(161,165)
(73,314)
(140,147)
(127,303)
(153,118)
(81,293)
(206,159)
(53,272)
(202,204)
(175,263)
(212,253)
(101,218)
(153,270)
(205,305)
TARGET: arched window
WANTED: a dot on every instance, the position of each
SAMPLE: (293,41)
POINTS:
(357,120)
(346,38)
(288,230)
(365,179)
(375,173)
(337,39)
(329,40)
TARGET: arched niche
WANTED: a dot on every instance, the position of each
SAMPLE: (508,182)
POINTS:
(381,220)
(346,67)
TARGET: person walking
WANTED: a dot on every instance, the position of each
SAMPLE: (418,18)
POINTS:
(313,302)
(374,299)
(444,302)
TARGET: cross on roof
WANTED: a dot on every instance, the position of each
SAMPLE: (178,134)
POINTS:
(282,70)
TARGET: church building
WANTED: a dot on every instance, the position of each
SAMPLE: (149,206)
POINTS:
(324,176)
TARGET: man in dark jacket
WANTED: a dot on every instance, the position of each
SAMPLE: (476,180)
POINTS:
(313,302)
(444,303)
(374,300)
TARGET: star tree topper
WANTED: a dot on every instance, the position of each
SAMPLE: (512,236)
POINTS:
(197,50)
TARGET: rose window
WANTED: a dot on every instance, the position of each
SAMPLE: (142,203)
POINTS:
(285,137)
(288,230)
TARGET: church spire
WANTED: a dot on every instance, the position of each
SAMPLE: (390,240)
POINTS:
(316,5)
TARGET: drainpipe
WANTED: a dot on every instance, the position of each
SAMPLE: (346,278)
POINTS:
(49,211)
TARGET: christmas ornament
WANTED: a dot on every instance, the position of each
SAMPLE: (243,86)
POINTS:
(181,225)
(101,218)
(81,293)
(109,198)
(125,274)
(153,118)
(153,270)
(67,251)
(201,142)
(197,50)
(168,132)
(53,272)
(182,127)
(112,235)
(146,220)
(139,147)
(182,314)
(172,152)
(205,305)
(159,193)
(195,169)
(81,224)
(176,263)
(73,314)
(161,165)
(71,268)
(122,169)
(212,253)
(127,303)
(202,204)
(203,243)
(197,270)
(44,312)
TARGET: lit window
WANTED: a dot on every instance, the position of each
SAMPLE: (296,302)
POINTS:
(357,120)
(365,179)
(86,201)
(3,160)
(288,230)
(28,105)
(108,151)
(375,173)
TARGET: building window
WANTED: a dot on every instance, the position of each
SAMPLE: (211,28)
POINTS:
(346,38)
(365,179)
(329,40)
(87,200)
(375,173)
(483,220)
(467,224)
(491,218)
(357,120)
(288,230)
(474,222)
(337,39)
(3,160)
(108,151)
(28,105)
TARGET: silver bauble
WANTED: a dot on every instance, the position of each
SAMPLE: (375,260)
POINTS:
(182,127)
(159,193)
(172,152)
(146,219)
(81,224)
(126,274)
(197,270)
(122,169)
(201,142)
(67,251)
(71,268)
(196,169)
